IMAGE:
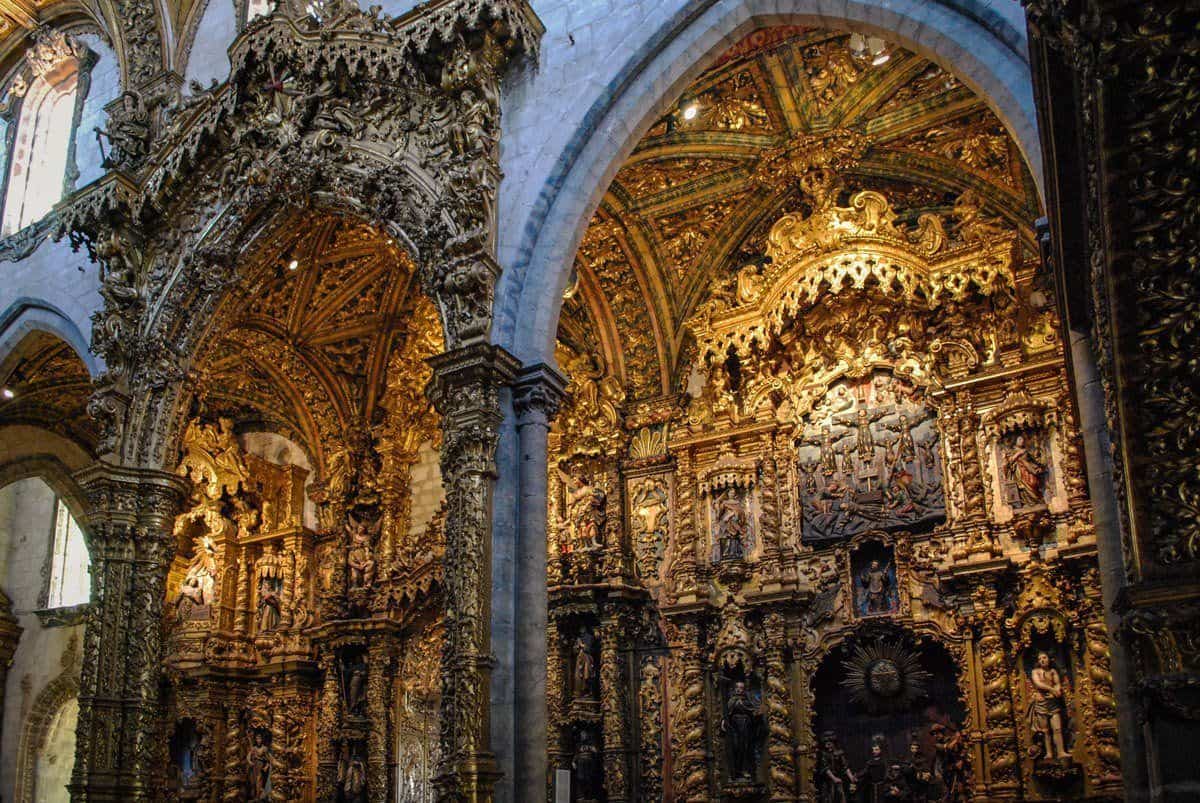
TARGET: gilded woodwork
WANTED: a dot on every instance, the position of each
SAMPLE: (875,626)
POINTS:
(834,344)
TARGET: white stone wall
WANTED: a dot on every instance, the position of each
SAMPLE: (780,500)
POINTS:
(26,533)
(208,57)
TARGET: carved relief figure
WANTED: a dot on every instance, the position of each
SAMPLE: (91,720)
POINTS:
(868,457)
(587,512)
(649,506)
(196,589)
(1048,709)
(128,132)
(741,726)
(1025,472)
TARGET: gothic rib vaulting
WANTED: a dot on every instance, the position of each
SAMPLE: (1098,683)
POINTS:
(808,494)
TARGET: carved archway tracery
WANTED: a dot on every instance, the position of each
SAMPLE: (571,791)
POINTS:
(392,121)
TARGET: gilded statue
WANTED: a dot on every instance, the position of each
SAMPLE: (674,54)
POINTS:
(270,587)
(588,767)
(1048,709)
(584,677)
(877,587)
(360,559)
(587,514)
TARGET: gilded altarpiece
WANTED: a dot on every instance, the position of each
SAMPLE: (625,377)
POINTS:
(855,560)
(301,661)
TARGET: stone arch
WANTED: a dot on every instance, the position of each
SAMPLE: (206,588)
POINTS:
(985,48)
(39,723)
(27,315)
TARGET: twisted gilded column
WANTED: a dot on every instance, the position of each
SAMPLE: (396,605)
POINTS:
(120,751)
(465,389)
(778,711)
(614,687)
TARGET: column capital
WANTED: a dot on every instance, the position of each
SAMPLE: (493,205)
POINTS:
(146,497)
(537,393)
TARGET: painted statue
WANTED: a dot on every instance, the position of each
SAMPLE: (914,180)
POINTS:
(835,780)
(1048,709)
(1026,469)
(732,528)
(740,726)
(586,512)
(360,559)
(584,681)
(878,588)
(258,768)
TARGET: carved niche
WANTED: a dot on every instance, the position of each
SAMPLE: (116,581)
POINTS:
(732,507)
(1021,438)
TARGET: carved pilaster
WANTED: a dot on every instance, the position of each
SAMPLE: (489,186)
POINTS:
(380,671)
(466,390)
(999,747)
(614,687)
(691,759)
(121,752)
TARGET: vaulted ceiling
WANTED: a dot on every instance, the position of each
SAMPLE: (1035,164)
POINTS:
(307,343)
(49,387)
(695,200)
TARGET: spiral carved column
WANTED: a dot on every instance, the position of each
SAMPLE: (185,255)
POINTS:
(121,749)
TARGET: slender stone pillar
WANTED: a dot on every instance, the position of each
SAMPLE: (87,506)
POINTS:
(466,390)
(537,394)
(120,752)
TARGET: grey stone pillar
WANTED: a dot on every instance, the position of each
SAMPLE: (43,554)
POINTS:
(537,393)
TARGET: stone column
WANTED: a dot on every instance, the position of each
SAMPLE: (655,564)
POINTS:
(120,752)
(536,396)
(466,389)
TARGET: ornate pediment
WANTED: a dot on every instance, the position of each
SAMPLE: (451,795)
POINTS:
(837,250)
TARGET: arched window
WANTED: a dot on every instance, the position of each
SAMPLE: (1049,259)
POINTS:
(39,158)
(70,566)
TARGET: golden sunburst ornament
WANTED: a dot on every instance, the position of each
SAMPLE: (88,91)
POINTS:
(884,676)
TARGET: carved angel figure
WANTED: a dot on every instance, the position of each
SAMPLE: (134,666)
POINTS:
(128,132)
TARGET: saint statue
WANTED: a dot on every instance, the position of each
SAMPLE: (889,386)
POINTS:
(895,785)
(918,773)
(586,511)
(584,679)
(128,131)
(732,525)
(872,778)
(588,767)
(258,768)
(1048,709)
(270,586)
(1026,468)
(876,583)
(355,675)
(835,780)
(740,726)
(949,764)
(360,560)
